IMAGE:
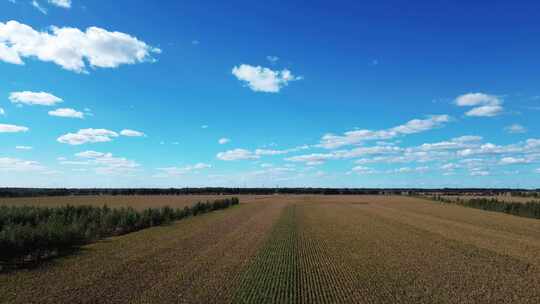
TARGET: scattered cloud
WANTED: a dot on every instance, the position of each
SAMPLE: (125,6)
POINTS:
(34,98)
(2,112)
(515,129)
(184,170)
(237,154)
(131,133)
(67,112)
(331,141)
(23,148)
(513,161)
(260,79)
(224,140)
(363,170)
(484,105)
(8,164)
(4,128)
(71,48)
(61,3)
(104,163)
(84,136)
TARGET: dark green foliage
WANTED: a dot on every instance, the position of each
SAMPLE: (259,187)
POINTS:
(529,209)
(31,233)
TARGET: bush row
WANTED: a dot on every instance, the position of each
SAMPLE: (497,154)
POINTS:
(529,209)
(28,234)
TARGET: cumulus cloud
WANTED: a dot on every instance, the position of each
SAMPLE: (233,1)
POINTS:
(260,79)
(5,128)
(237,154)
(34,98)
(515,129)
(184,170)
(331,141)
(131,133)
(71,48)
(61,3)
(84,136)
(18,165)
(223,141)
(484,105)
(67,112)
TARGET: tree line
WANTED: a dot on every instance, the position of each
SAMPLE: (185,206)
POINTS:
(529,209)
(29,234)
(34,192)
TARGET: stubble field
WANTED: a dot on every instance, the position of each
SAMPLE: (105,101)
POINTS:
(302,249)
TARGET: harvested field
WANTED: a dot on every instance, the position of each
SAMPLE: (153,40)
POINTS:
(134,201)
(303,249)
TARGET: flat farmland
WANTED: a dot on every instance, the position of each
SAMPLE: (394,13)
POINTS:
(502,198)
(138,202)
(303,249)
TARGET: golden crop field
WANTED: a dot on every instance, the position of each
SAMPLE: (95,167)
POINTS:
(135,201)
(303,249)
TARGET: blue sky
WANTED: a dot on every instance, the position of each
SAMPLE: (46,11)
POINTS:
(250,93)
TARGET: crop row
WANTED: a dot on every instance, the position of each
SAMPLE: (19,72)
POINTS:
(29,234)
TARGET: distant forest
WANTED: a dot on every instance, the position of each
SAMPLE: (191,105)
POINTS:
(33,192)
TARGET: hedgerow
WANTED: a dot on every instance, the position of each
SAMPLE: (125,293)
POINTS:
(29,234)
(530,209)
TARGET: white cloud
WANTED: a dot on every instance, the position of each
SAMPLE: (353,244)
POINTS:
(362,170)
(84,136)
(23,148)
(513,161)
(4,128)
(2,112)
(61,3)
(184,170)
(38,6)
(66,112)
(34,98)
(260,79)
(515,129)
(223,141)
(479,172)
(484,105)
(71,48)
(104,163)
(18,165)
(131,133)
(237,154)
(331,141)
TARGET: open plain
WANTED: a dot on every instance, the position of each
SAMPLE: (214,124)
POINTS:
(297,249)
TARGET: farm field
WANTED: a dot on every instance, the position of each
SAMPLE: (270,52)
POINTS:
(303,249)
(135,201)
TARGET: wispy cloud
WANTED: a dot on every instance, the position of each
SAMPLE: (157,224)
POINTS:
(67,112)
